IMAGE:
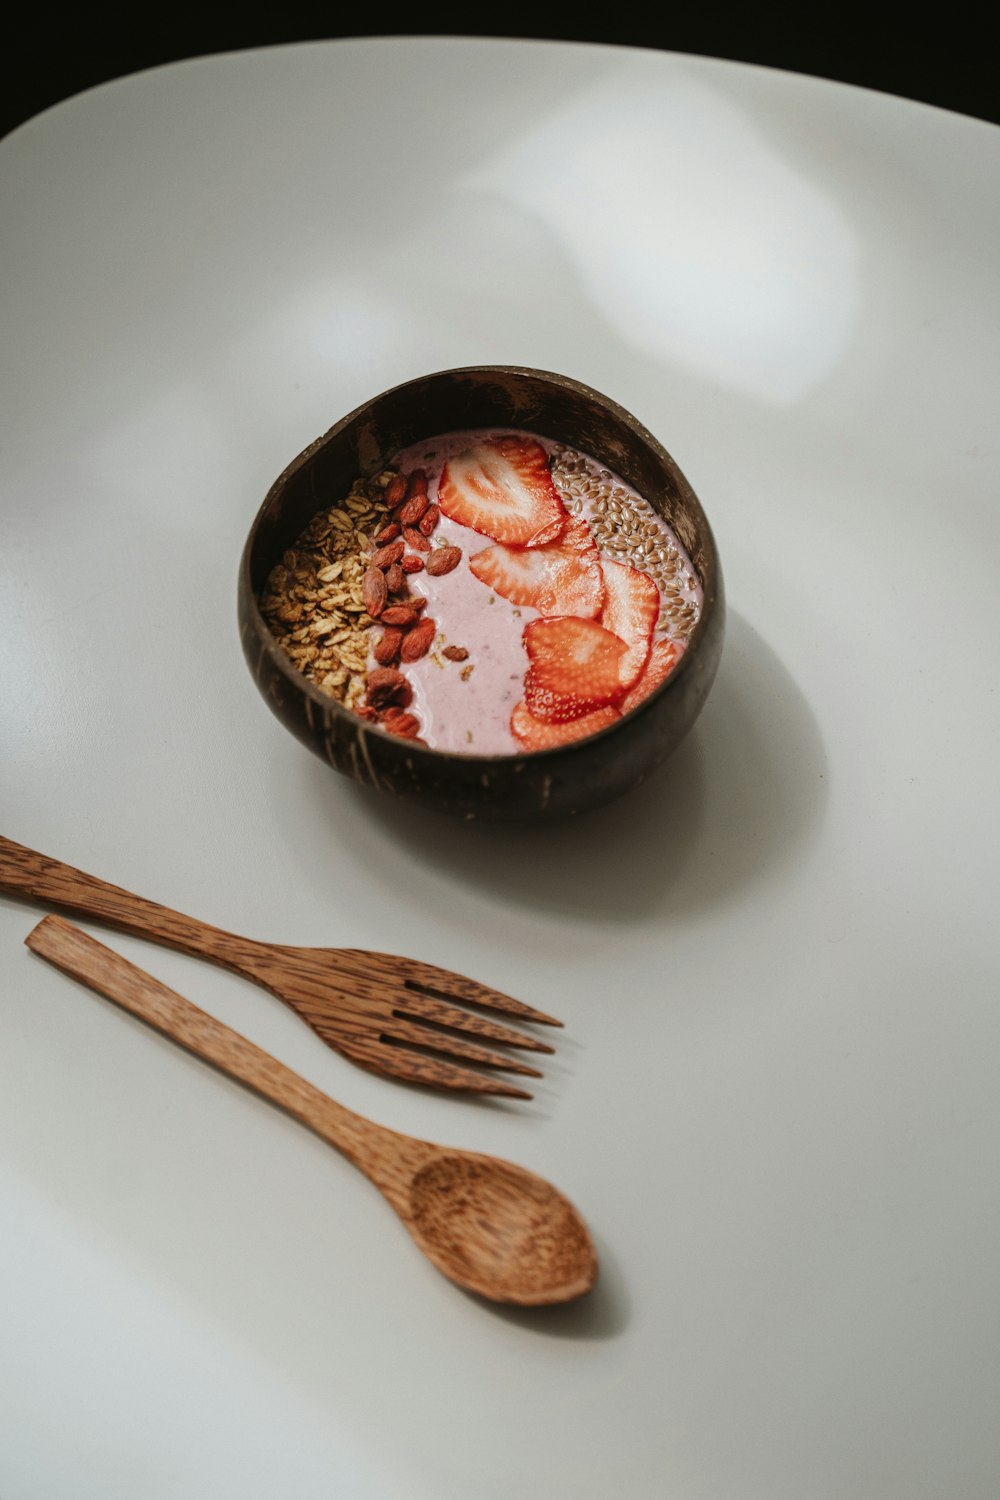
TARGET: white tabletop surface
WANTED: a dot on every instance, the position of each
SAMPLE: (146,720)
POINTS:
(776,1100)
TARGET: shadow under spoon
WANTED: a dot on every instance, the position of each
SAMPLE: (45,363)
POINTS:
(489,1226)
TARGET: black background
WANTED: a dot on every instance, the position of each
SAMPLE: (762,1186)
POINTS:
(935,55)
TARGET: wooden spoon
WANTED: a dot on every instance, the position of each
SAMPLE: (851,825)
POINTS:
(489,1226)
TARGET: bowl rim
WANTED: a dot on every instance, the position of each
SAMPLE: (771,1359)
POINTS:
(711,597)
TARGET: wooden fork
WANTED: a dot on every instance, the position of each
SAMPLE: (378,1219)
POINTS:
(491,1227)
(391,1015)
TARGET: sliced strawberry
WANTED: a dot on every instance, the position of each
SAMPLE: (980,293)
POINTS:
(662,659)
(631,605)
(535,734)
(575,666)
(503,488)
(563,577)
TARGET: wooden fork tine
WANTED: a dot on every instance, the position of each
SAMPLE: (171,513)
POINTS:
(415,1067)
(453,1046)
(443,984)
(422,1008)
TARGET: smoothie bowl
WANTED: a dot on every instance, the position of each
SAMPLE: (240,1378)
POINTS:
(489,590)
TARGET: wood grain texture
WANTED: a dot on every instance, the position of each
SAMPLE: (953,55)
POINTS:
(489,1226)
(395,1016)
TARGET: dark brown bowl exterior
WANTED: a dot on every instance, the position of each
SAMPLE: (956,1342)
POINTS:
(545,783)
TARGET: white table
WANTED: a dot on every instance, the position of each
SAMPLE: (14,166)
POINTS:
(775,1100)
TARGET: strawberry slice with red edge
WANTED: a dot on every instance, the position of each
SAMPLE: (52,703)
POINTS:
(574,667)
(631,607)
(563,577)
(662,659)
(536,734)
(502,487)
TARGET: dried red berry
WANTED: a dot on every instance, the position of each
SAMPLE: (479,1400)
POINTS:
(387,687)
(398,721)
(384,557)
(387,647)
(443,560)
(402,615)
(417,642)
(374,592)
(412,511)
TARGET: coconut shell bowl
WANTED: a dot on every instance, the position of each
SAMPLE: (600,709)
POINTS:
(533,785)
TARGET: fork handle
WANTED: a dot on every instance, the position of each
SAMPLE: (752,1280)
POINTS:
(25,872)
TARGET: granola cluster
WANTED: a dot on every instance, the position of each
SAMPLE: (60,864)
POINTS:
(314,602)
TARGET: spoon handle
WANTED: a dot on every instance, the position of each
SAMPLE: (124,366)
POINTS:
(25,872)
(372,1148)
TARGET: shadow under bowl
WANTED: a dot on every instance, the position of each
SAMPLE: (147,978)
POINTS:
(536,785)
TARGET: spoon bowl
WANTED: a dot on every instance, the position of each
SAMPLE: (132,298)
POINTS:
(499,1230)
